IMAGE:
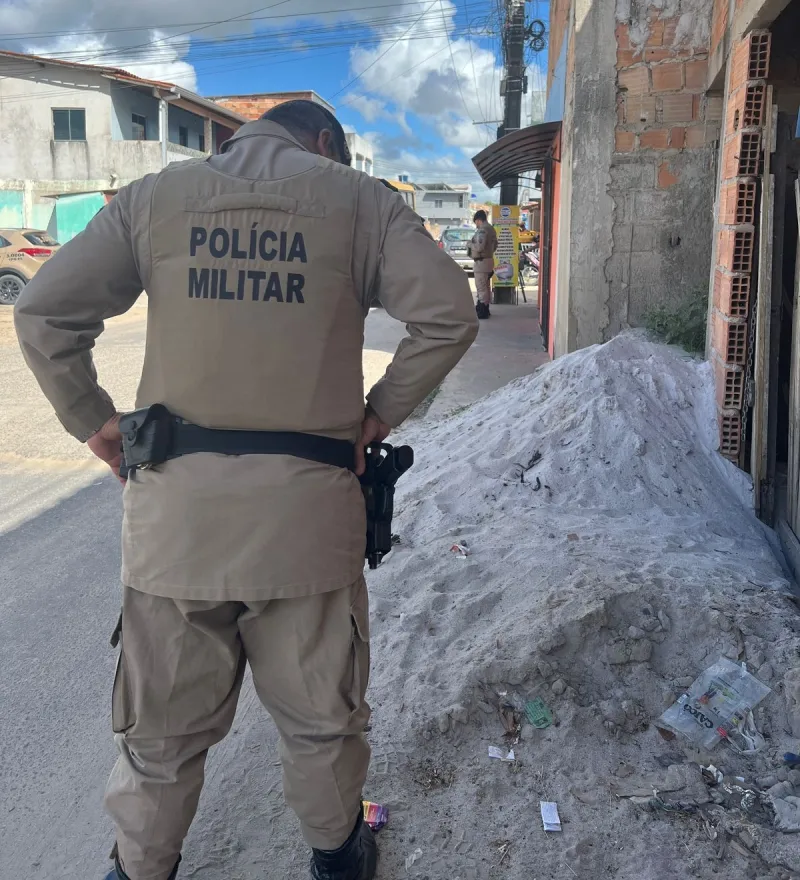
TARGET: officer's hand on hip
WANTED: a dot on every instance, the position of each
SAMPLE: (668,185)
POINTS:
(106,444)
(373,430)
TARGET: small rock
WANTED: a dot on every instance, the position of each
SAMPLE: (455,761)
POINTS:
(649,625)
(668,697)
(552,643)
(486,708)
(558,686)
(544,668)
(747,839)
(443,722)
(794,777)
(765,782)
(572,537)
(765,672)
(783,774)
(684,681)
(641,652)
(459,713)
(613,712)
(624,770)
(515,679)
(635,633)
(665,622)
(617,653)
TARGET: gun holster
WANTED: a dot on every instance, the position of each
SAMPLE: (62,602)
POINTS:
(385,465)
(146,437)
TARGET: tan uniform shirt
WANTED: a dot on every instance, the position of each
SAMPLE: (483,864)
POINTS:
(482,247)
(260,265)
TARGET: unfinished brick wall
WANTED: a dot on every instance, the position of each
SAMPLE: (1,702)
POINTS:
(254,106)
(734,283)
(666,130)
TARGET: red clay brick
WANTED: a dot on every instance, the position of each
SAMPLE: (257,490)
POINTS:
(746,107)
(732,294)
(741,156)
(695,137)
(729,384)
(627,57)
(623,36)
(654,54)
(677,137)
(729,339)
(677,108)
(656,37)
(670,31)
(735,252)
(696,75)
(624,141)
(666,178)
(668,76)
(635,80)
(640,108)
(730,433)
(737,202)
(657,139)
(750,58)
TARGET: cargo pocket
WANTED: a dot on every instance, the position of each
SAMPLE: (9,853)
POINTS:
(122,716)
(359,620)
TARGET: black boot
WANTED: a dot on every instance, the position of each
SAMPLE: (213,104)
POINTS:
(482,311)
(356,858)
(119,874)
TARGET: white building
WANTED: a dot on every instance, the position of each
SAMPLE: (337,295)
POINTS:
(444,204)
(361,151)
(74,133)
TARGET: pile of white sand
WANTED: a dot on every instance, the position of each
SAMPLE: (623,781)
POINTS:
(612,559)
(625,564)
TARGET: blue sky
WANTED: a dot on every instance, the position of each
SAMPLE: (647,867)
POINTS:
(413,76)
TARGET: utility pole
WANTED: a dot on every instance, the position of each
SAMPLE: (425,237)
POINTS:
(514,86)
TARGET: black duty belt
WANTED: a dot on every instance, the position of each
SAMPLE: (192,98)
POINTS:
(154,435)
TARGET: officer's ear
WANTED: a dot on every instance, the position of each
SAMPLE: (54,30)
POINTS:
(327,146)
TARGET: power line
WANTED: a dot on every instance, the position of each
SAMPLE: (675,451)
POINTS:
(383,54)
(472,62)
(453,59)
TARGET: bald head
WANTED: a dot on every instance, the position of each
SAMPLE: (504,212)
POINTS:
(317,129)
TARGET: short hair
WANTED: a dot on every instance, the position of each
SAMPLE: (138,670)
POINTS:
(309,118)
(480,215)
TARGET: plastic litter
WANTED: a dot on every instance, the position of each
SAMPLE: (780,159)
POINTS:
(414,857)
(538,713)
(550,818)
(375,815)
(461,549)
(501,754)
(717,706)
(791,760)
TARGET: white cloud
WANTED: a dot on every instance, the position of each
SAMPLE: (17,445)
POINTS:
(369,108)
(420,76)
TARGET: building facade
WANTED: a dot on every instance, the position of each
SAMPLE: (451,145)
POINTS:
(74,133)
(444,204)
(362,152)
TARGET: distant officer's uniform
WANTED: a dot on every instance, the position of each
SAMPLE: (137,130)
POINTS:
(482,247)
(260,265)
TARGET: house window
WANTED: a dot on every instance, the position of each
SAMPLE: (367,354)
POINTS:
(202,143)
(438,203)
(69,125)
(461,201)
(139,127)
(183,135)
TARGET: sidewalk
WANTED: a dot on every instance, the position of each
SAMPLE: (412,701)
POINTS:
(509,345)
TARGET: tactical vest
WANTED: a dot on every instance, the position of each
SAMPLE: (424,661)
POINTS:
(253,321)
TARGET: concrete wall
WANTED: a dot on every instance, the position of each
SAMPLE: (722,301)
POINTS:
(661,174)
(362,152)
(452,211)
(195,125)
(126,101)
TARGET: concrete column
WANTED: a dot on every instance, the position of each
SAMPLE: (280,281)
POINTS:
(208,135)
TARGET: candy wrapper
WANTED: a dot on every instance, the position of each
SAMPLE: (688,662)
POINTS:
(375,815)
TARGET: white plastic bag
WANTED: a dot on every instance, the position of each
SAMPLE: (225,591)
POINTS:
(717,705)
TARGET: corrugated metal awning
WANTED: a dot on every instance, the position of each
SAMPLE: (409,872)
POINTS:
(516,153)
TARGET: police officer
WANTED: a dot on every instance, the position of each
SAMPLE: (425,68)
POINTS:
(260,265)
(482,247)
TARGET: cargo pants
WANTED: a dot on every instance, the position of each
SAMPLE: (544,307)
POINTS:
(178,679)
(483,286)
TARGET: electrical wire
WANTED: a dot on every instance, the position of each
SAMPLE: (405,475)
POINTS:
(453,60)
(383,54)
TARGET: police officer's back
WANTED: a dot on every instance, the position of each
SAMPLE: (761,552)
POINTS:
(260,265)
